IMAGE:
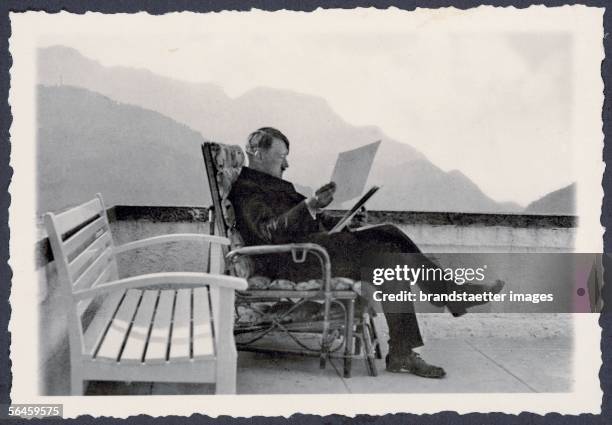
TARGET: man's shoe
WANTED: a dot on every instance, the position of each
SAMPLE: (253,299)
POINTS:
(413,363)
(460,308)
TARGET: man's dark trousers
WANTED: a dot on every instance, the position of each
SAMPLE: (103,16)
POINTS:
(349,251)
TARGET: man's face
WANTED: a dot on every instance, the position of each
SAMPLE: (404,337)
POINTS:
(274,159)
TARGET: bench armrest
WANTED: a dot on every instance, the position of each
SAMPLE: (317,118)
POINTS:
(176,237)
(183,279)
(298,252)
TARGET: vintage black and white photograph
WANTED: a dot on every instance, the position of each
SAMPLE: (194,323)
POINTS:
(222,203)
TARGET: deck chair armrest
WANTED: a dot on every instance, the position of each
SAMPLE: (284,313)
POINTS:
(176,237)
(182,279)
(298,252)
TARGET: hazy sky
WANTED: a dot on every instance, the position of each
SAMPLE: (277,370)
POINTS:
(492,101)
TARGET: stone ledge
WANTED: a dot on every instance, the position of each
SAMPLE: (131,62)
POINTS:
(176,214)
(433,218)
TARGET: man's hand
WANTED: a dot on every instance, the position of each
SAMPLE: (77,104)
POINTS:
(322,197)
(359,219)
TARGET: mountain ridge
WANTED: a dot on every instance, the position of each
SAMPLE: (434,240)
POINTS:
(316,132)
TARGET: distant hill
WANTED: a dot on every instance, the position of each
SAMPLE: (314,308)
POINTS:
(562,202)
(316,132)
(88,143)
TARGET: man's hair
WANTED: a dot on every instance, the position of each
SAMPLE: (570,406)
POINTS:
(262,139)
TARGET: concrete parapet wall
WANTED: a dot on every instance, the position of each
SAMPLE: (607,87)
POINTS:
(476,238)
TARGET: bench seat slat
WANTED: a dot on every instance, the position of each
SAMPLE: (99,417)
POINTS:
(137,340)
(89,254)
(158,341)
(104,314)
(70,219)
(82,236)
(180,346)
(202,327)
(110,348)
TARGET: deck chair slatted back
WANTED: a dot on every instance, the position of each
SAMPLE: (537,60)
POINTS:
(223,164)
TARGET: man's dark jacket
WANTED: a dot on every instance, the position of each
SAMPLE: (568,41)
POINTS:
(270,211)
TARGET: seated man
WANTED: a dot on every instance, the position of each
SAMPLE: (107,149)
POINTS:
(270,211)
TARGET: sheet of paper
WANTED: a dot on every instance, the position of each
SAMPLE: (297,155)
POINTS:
(351,172)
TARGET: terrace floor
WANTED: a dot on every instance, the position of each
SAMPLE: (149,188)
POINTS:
(480,352)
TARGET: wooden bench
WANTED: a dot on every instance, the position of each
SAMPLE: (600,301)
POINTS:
(159,327)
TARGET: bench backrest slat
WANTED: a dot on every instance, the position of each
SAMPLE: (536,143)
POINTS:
(94,270)
(83,250)
(88,255)
(88,233)
(68,220)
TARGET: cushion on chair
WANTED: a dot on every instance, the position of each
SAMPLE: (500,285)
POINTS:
(259,282)
(341,283)
(241,266)
(285,312)
(337,284)
(229,160)
(310,285)
(282,285)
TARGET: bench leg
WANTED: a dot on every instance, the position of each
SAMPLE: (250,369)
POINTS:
(226,375)
(77,384)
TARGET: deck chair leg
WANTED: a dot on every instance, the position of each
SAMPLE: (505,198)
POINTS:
(348,351)
(359,332)
(375,339)
(369,351)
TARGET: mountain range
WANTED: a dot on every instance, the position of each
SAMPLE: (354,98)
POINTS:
(159,122)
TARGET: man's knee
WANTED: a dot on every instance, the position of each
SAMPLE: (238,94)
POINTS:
(392,229)
(393,233)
